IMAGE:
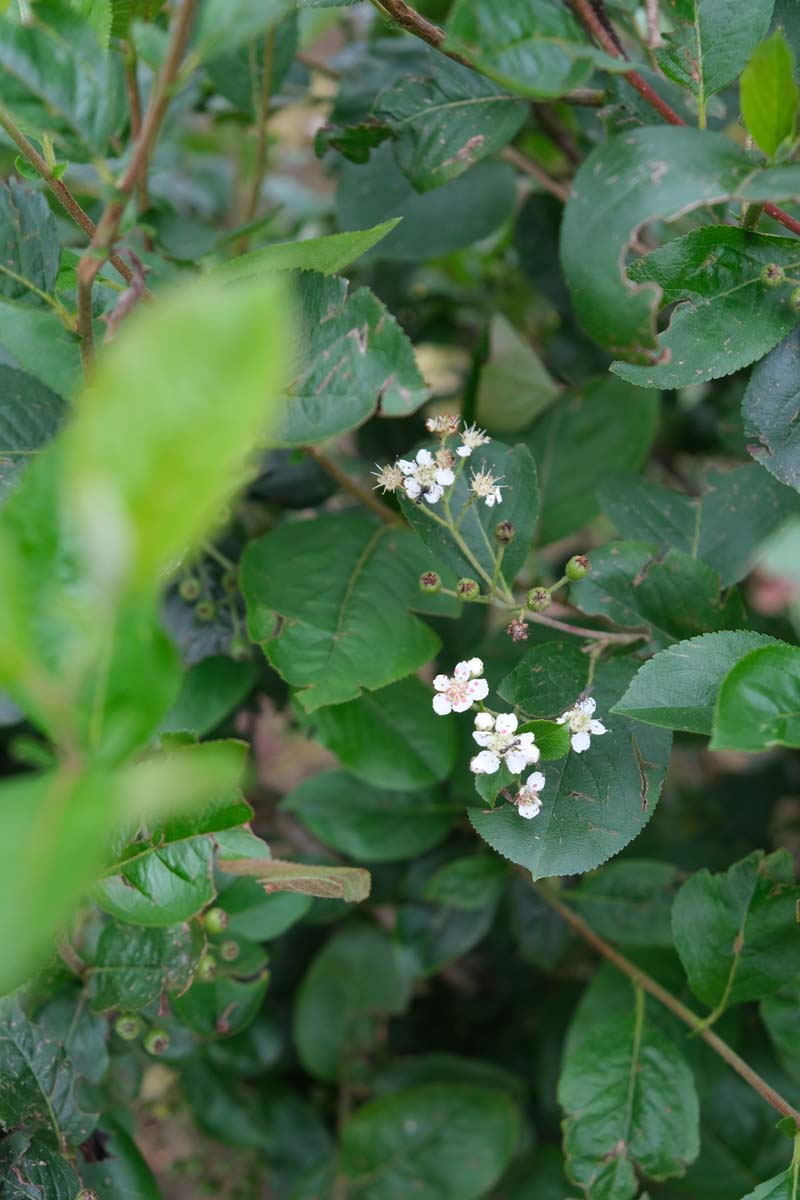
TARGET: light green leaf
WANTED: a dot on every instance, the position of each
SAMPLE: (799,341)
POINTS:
(391,738)
(98,14)
(327,255)
(36,341)
(445,122)
(736,931)
(516,470)
(711,42)
(770,408)
(514,387)
(342,584)
(759,701)
(628,901)
(353,358)
(483,197)
(724,526)
(351,884)
(630,1101)
(535,47)
(726,315)
(593,804)
(448,1141)
(132,966)
(368,823)
(678,688)
(224,25)
(635,177)
(575,443)
(769,95)
(30,414)
(354,978)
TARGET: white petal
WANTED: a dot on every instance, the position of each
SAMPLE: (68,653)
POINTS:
(535,781)
(408,468)
(476,666)
(580,742)
(482,737)
(442,705)
(516,761)
(461,672)
(528,811)
(462,705)
(445,476)
(441,682)
(491,500)
(485,763)
(597,727)
(464,451)
(564,717)
(587,706)
(434,493)
(506,723)
(484,721)
(412,487)
(424,458)
(478,689)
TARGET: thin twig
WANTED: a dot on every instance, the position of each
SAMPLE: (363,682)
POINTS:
(561,136)
(599,635)
(523,163)
(670,1002)
(262,143)
(108,227)
(57,187)
(406,17)
(592,23)
(348,484)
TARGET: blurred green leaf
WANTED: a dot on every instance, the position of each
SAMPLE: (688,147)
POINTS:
(211,690)
(758,704)
(30,414)
(628,901)
(514,386)
(327,255)
(227,1003)
(769,410)
(769,95)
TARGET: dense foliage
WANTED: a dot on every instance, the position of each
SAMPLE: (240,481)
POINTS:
(399,600)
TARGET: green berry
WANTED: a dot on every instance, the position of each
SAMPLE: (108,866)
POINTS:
(190,588)
(230,581)
(538,599)
(229,950)
(578,567)
(206,968)
(128,1026)
(794,297)
(216,920)
(468,589)
(156,1041)
(206,610)
(504,533)
(240,649)
(430,583)
(772,275)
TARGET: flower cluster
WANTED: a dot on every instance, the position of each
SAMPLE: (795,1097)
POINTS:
(460,692)
(501,743)
(426,476)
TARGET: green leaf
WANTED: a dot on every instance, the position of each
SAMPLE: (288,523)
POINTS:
(520,490)
(211,690)
(514,387)
(770,408)
(451,1141)
(483,197)
(30,414)
(239,76)
(711,43)
(33,1168)
(759,701)
(726,315)
(226,1004)
(678,687)
(594,803)
(724,526)
(547,680)
(782,1187)
(98,14)
(473,882)
(132,966)
(770,96)
(671,597)
(391,738)
(123,1174)
(257,915)
(66,1018)
(224,25)
(326,255)
(37,1081)
(368,823)
(613,195)
(129,459)
(354,978)
(630,1102)
(30,252)
(780,1012)
(552,739)
(351,884)
(575,443)
(535,47)
(628,901)
(36,341)
(57,80)
(353,359)
(342,585)
(444,122)
(736,932)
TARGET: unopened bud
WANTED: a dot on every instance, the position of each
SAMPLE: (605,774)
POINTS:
(468,589)
(538,599)
(206,610)
(216,920)
(772,275)
(128,1026)
(229,950)
(206,968)
(578,567)
(430,583)
(504,533)
(189,588)
(157,1041)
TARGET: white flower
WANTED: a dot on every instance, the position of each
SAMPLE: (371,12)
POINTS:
(582,725)
(501,743)
(527,798)
(486,487)
(389,478)
(444,424)
(472,438)
(460,693)
(424,477)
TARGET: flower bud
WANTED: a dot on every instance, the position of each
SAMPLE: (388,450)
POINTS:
(157,1041)
(430,583)
(772,275)
(504,533)
(206,610)
(468,589)
(578,567)
(538,599)
(128,1026)
(230,581)
(189,588)
(229,950)
(215,920)
(794,298)
(206,968)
